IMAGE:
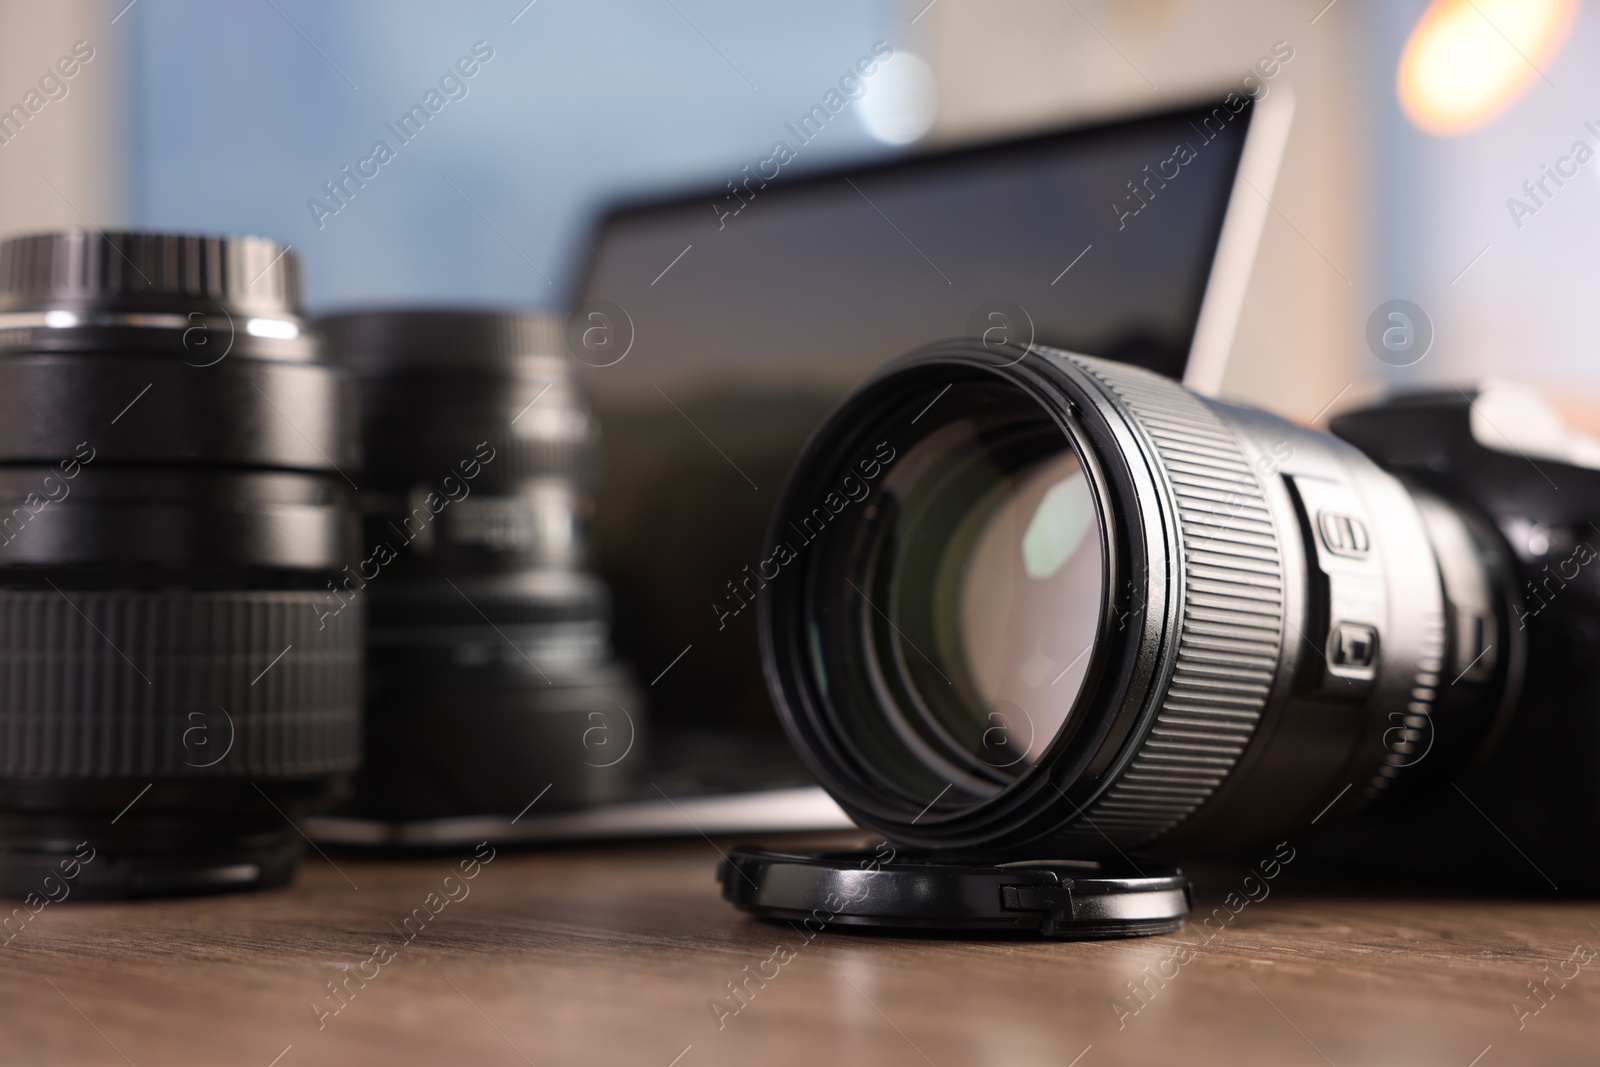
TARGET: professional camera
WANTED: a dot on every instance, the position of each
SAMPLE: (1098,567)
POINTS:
(1027,604)
(173,506)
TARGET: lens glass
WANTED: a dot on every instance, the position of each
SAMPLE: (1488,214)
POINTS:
(1031,572)
(973,593)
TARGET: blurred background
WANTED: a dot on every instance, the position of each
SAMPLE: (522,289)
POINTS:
(1419,167)
(231,116)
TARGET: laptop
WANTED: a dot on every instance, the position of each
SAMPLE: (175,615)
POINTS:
(722,324)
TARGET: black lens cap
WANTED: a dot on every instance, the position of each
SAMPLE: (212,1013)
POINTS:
(1072,900)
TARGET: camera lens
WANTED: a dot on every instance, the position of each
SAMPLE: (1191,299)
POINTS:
(1063,603)
(171,509)
(490,673)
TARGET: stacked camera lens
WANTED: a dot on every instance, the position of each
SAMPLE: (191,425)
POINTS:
(490,671)
(172,509)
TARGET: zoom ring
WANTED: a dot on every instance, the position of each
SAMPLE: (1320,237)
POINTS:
(1231,629)
(177,684)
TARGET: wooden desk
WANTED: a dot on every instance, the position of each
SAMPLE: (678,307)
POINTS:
(601,956)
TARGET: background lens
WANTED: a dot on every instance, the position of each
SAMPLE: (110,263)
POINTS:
(490,672)
(175,507)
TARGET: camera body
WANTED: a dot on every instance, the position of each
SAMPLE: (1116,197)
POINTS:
(1520,808)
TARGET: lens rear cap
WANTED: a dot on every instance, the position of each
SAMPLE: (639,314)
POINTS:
(1070,900)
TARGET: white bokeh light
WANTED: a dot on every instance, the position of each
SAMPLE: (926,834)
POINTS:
(900,101)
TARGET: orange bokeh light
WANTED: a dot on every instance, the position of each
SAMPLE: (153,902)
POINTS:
(1469,60)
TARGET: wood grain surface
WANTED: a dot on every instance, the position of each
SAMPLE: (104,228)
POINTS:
(600,956)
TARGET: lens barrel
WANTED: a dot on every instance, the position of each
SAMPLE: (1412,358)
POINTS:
(491,675)
(172,507)
(1254,625)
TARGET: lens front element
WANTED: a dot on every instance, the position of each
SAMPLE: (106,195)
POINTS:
(953,609)
(986,555)
(1030,599)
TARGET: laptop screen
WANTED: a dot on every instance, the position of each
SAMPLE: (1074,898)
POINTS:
(724,326)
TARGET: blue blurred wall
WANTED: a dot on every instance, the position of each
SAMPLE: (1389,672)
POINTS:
(240,112)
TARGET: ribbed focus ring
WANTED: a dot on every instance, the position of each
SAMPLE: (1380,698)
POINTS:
(381,343)
(500,377)
(83,266)
(177,684)
(1231,597)
(561,445)
(518,457)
